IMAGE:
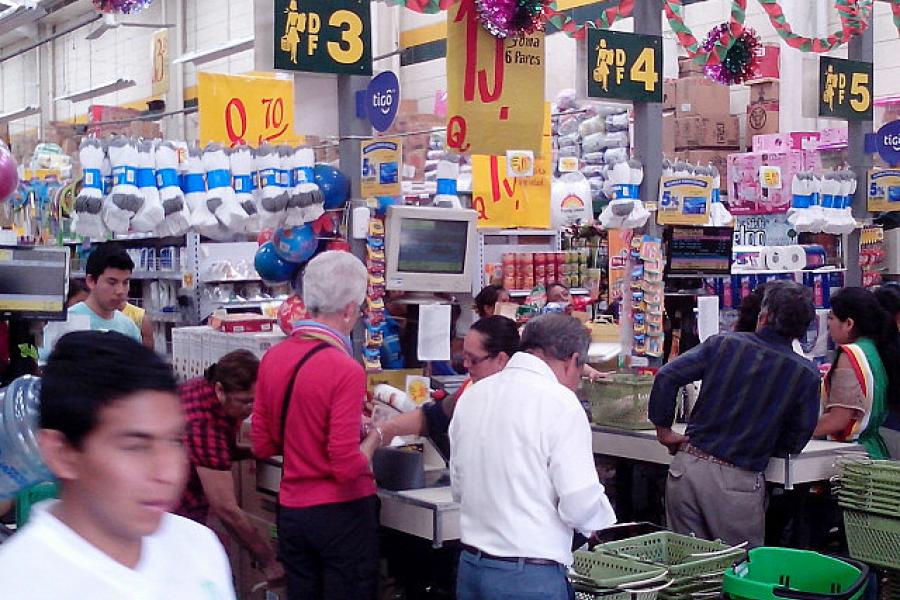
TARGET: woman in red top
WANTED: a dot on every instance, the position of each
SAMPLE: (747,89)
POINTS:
(327,522)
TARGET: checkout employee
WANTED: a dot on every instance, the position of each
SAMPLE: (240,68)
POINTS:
(487,348)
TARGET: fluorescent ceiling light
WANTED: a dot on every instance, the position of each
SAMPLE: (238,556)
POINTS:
(19,114)
(202,56)
(17,16)
(98,90)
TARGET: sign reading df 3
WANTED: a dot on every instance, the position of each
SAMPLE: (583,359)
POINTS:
(380,101)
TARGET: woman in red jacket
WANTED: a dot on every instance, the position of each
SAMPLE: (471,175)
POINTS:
(309,404)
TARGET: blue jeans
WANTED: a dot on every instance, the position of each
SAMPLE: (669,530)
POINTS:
(482,578)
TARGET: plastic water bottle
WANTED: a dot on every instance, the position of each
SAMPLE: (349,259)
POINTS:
(447,175)
(20,461)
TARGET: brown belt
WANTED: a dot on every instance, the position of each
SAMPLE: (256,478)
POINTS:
(527,561)
(694,451)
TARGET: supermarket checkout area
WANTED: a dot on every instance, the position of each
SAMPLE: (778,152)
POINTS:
(429,512)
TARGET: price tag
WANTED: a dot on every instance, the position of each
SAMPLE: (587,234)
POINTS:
(627,66)
(568,164)
(519,163)
(495,87)
(324,36)
(883,192)
(237,110)
(187,280)
(770,177)
(380,169)
(845,89)
(684,200)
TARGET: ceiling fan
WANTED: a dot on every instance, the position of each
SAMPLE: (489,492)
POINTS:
(111,21)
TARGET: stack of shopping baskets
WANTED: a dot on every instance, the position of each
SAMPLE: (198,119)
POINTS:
(869,493)
(663,564)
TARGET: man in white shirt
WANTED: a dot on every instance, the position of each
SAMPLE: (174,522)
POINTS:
(112,430)
(523,470)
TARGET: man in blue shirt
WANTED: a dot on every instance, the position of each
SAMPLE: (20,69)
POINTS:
(758,399)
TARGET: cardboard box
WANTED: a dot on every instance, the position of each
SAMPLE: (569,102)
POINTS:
(701,96)
(668,136)
(762,119)
(769,62)
(668,102)
(241,323)
(716,158)
(781,142)
(746,194)
(688,68)
(766,91)
(699,132)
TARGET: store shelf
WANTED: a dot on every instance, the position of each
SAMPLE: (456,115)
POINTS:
(214,280)
(164,316)
(142,275)
(524,293)
(821,270)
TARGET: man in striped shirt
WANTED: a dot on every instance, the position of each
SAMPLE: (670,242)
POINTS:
(758,399)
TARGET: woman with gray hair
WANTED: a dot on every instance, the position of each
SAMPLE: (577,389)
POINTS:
(310,396)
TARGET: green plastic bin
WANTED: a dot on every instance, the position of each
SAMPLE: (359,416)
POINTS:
(686,557)
(776,573)
(621,401)
(873,538)
(608,571)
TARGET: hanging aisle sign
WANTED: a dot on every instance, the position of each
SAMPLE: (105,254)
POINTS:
(161,61)
(883,193)
(324,36)
(239,110)
(625,66)
(495,87)
(845,89)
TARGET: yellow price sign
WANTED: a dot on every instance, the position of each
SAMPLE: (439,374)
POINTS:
(495,87)
(770,177)
(883,192)
(160,61)
(520,163)
(240,110)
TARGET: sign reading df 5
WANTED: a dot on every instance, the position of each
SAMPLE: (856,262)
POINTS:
(323,36)
(625,66)
(845,89)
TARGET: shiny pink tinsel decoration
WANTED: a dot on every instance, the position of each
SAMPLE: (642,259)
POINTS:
(510,18)
(125,7)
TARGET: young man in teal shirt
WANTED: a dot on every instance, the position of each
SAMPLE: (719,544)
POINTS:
(108,274)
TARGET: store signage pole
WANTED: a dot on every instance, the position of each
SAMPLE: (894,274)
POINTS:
(648,115)
(861,48)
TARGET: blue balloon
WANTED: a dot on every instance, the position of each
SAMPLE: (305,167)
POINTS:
(295,244)
(270,266)
(334,185)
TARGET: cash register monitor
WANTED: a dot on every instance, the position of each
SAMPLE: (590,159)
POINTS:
(34,281)
(430,249)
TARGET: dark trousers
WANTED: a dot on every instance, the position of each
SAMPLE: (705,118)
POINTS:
(330,551)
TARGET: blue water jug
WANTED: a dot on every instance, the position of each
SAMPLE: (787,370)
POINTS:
(20,461)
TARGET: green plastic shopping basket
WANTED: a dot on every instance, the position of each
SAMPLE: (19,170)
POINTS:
(776,573)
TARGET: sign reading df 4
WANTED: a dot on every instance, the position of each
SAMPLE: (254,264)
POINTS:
(845,89)
(324,36)
(626,66)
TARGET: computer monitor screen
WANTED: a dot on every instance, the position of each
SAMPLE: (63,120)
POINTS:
(431,246)
(430,249)
(33,282)
(699,251)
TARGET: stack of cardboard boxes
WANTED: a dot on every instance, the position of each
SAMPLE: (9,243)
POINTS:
(762,112)
(415,147)
(697,124)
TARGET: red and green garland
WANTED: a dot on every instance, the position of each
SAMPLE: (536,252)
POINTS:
(607,17)
(716,53)
(741,61)
(855,17)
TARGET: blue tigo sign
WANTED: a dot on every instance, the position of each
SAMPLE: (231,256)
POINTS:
(380,101)
(886,142)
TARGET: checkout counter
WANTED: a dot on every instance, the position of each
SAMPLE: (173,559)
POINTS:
(430,513)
